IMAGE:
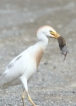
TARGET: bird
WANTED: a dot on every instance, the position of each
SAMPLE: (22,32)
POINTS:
(23,67)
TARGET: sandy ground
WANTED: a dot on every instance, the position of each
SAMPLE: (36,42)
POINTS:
(54,84)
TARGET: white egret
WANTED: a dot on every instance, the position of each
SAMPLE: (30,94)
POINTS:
(22,67)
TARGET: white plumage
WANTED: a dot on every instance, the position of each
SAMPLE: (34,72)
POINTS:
(22,67)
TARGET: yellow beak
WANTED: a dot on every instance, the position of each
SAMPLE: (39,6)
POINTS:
(55,34)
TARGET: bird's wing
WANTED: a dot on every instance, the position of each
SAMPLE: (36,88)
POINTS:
(15,69)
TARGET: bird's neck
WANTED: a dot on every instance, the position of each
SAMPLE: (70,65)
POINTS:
(43,40)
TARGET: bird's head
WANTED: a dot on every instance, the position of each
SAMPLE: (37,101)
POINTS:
(48,31)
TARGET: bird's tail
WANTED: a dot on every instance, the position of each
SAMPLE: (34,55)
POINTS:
(2,80)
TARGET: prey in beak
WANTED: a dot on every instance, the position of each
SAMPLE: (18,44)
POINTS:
(62,45)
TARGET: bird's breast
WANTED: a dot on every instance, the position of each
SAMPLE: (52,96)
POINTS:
(38,56)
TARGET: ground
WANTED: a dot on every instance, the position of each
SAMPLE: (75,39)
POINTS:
(54,84)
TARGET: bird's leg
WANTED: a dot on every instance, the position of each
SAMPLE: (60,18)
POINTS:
(30,100)
(23,96)
(24,82)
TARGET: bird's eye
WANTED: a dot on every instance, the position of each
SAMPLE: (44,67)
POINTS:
(51,31)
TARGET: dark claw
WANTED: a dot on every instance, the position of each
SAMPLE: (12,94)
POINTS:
(64,51)
(65,56)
